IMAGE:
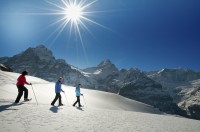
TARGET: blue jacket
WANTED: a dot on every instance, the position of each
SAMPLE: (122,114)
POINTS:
(78,91)
(58,87)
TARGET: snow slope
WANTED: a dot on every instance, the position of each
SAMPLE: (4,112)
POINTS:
(102,112)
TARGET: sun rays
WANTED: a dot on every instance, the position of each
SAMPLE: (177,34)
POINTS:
(74,16)
(68,21)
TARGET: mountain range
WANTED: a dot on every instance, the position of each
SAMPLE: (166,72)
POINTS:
(174,91)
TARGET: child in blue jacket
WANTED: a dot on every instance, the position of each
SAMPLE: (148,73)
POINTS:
(78,94)
(58,89)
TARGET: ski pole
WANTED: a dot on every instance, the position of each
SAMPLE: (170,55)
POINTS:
(84,100)
(34,94)
(66,99)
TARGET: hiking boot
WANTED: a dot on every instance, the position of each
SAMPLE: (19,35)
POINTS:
(15,103)
(60,105)
(27,99)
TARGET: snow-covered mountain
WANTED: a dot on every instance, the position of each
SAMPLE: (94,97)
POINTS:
(40,62)
(183,85)
(171,78)
(134,84)
(102,111)
(155,88)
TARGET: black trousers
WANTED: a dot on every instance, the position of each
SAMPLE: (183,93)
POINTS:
(21,88)
(58,96)
(77,101)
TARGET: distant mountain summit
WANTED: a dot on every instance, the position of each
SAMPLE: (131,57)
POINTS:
(43,53)
(104,69)
(106,63)
(31,59)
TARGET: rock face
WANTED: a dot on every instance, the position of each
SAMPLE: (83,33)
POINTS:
(171,90)
(5,68)
(194,111)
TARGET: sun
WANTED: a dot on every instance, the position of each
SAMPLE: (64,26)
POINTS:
(74,13)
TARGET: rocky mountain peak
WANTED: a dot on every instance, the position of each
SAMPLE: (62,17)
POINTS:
(43,53)
(41,46)
(105,63)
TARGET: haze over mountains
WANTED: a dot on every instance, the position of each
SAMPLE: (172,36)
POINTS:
(174,91)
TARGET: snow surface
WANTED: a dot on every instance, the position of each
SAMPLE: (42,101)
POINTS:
(102,112)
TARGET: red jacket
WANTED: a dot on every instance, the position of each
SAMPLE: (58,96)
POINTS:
(21,80)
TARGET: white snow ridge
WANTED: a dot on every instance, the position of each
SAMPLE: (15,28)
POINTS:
(102,112)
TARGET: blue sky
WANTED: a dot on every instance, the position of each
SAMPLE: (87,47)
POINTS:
(144,34)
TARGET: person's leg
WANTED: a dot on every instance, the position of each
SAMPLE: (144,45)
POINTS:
(76,101)
(20,93)
(55,99)
(25,93)
(60,99)
(79,103)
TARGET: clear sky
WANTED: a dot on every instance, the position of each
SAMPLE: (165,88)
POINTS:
(144,34)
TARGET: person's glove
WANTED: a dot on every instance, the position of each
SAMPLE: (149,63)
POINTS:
(63,91)
(81,94)
(30,83)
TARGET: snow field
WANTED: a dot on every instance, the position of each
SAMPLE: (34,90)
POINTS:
(103,112)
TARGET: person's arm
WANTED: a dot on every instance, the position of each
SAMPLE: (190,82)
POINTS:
(61,88)
(26,81)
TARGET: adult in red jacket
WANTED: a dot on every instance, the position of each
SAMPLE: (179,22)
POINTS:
(20,85)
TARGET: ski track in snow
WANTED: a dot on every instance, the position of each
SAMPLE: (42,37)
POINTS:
(104,112)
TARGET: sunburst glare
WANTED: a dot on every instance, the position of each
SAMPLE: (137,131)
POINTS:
(72,18)
(75,15)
